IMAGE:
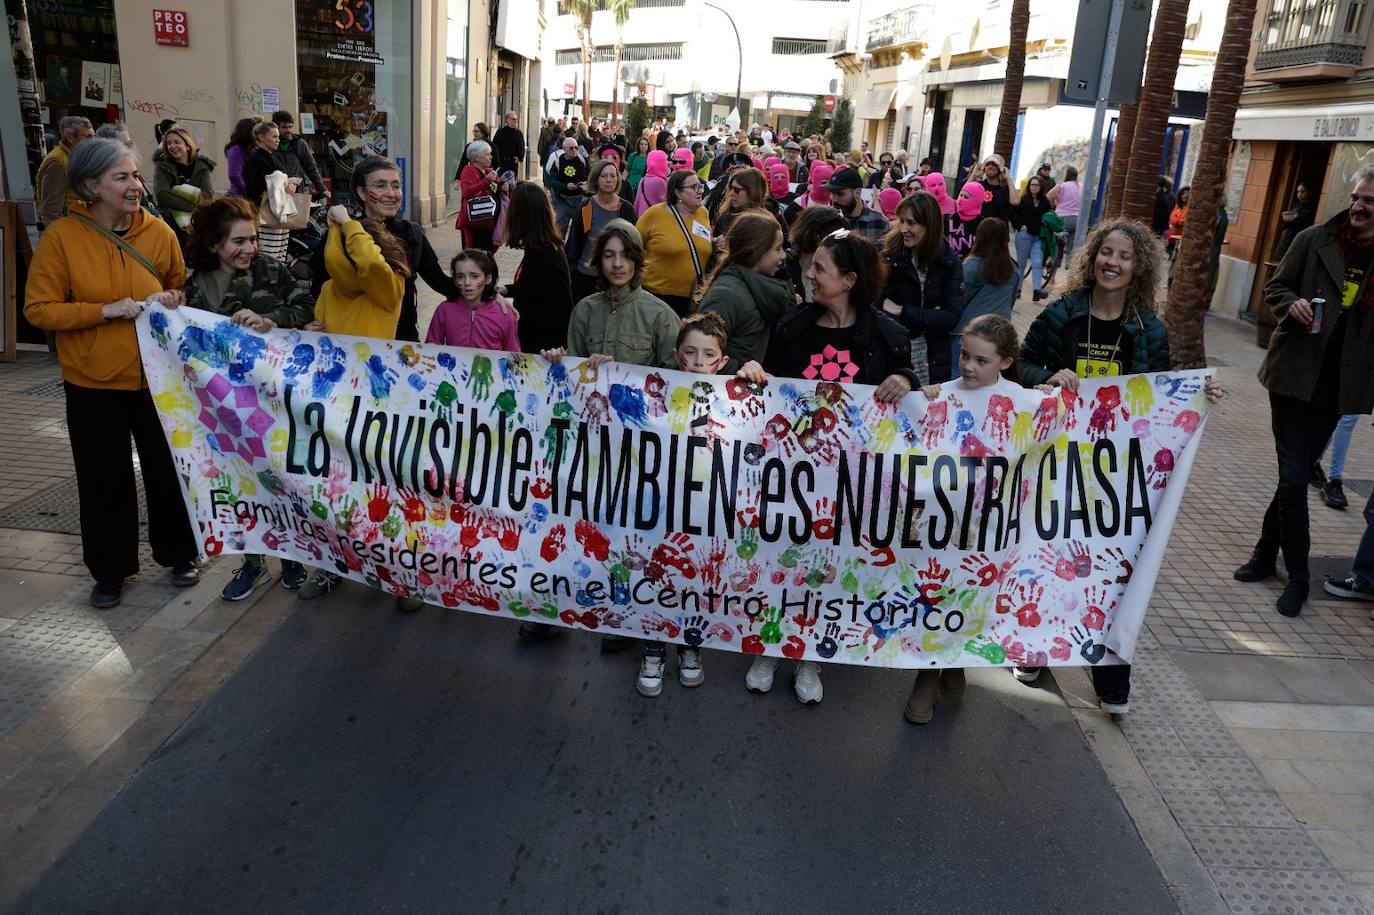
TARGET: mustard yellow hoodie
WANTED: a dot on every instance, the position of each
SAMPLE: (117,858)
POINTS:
(363,295)
(76,272)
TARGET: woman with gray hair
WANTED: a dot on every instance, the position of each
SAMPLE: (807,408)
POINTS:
(481,198)
(120,134)
(92,274)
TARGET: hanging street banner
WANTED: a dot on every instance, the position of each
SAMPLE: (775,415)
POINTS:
(799,519)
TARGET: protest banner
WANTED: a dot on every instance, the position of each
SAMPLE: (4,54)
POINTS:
(799,519)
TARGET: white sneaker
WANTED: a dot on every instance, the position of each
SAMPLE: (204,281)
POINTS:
(689,669)
(807,682)
(650,682)
(1026,674)
(760,676)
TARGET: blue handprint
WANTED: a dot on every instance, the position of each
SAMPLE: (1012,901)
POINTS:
(330,369)
(380,375)
(302,357)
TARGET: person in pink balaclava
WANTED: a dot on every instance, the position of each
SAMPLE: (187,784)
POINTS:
(654,184)
(682,160)
(888,198)
(935,186)
(816,193)
(962,225)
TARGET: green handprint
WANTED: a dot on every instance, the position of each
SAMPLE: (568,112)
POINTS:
(848,580)
(1021,429)
(518,608)
(619,573)
(994,653)
(561,410)
(771,633)
(343,518)
(505,402)
(549,608)
(748,543)
(392,525)
(479,378)
(790,557)
(1140,396)
(319,509)
(444,398)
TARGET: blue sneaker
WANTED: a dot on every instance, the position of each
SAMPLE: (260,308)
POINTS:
(293,575)
(247,578)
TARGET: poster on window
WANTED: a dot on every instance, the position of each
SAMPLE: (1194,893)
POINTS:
(95,83)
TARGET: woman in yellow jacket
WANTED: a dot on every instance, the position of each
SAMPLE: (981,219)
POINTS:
(92,273)
(367,280)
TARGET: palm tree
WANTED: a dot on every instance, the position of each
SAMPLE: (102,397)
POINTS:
(1011,86)
(1121,160)
(620,12)
(1156,101)
(1188,300)
(582,11)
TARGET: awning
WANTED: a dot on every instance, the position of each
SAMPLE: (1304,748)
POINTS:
(1314,123)
(904,96)
(876,103)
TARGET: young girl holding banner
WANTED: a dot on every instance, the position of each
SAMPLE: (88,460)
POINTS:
(987,361)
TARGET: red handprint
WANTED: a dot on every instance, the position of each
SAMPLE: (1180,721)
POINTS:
(823,521)
(540,488)
(552,547)
(1105,406)
(1045,416)
(594,543)
(1082,559)
(1001,412)
(506,532)
(1029,594)
(673,552)
(379,506)
(933,423)
(793,648)
(1095,616)
(1113,562)
(413,508)
(981,570)
(1062,566)
(933,578)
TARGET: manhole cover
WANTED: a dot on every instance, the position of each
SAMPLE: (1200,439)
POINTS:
(57,509)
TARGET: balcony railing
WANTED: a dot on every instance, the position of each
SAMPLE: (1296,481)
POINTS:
(838,41)
(1301,33)
(901,26)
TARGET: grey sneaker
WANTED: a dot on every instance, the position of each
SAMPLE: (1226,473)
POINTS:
(247,578)
(689,669)
(320,583)
(1348,588)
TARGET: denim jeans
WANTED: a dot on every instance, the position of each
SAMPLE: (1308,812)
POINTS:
(563,211)
(1066,249)
(1301,431)
(1029,246)
(1363,567)
(1340,444)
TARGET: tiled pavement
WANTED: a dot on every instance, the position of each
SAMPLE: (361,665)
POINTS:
(1246,759)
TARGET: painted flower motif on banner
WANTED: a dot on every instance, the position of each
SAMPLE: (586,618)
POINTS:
(831,364)
(234,421)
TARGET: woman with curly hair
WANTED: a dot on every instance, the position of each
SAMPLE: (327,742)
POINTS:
(1103,325)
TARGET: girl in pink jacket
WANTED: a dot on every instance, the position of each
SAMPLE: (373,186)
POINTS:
(477,319)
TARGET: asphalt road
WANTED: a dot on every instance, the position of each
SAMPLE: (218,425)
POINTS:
(364,760)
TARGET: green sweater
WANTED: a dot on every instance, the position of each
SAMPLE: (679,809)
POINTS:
(1046,347)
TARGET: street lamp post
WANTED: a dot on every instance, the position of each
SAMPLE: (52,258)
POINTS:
(739,74)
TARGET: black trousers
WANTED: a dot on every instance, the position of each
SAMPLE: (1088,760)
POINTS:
(1301,431)
(100,423)
(1112,681)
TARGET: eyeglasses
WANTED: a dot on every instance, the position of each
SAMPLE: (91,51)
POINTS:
(885,162)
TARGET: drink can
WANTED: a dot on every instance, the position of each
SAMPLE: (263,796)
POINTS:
(1318,306)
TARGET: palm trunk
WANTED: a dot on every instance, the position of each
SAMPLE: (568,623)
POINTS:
(1005,140)
(1121,160)
(1188,299)
(587,83)
(1156,101)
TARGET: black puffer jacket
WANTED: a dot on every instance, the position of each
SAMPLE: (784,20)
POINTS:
(932,309)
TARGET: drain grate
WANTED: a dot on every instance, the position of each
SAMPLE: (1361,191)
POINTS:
(57,509)
(1363,487)
(46,389)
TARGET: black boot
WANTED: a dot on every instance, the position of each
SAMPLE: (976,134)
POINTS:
(1293,597)
(1256,569)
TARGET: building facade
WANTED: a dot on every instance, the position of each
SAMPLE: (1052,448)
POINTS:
(406,79)
(1306,117)
(685,61)
(928,78)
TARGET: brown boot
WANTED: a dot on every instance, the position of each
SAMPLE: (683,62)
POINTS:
(920,708)
(952,685)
